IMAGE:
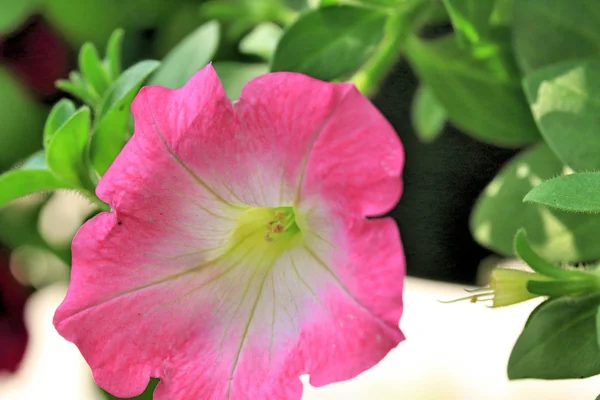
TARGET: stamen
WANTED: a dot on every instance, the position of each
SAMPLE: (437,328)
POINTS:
(474,298)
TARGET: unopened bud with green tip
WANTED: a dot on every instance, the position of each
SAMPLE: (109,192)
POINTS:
(507,287)
(512,286)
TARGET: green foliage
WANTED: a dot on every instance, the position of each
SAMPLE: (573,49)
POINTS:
(549,31)
(559,341)
(235,75)
(428,115)
(262,40)
(34,176)
(575,192)
(66,154)
(95,75)
(191,54)
(500,212)
(524,251)
(470,19)
(565,101)
(60,113)
(481,95)
(329,43)
(110,132)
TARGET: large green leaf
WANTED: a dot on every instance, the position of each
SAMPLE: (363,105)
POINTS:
(235,75)
(193,53)
(34,176)
(482,96)
(549,31)
(428,115)
(559,341)
(576,192)
(565,101)
(329,43)
(114,111)
(500,212)
(66,154)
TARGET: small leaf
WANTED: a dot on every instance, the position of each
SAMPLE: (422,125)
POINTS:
(113,53)
(190,55)
(478,93)
(428,115)
(235,75)
(565,102)
(60,113)
(66,154)
(549,31)
(92,69)
(575,192)
(33,177)
(500,212)
(262,41)
(470,18)
(559,341)
(78,91)
(524,251)
(331,42)
(109,133)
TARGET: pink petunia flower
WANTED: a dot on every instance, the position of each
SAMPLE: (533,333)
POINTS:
(237,255)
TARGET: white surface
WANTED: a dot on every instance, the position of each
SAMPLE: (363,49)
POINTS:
(452,352)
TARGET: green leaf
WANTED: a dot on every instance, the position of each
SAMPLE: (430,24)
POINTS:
(482,95)
(262,41)
(235,75)
(14,13)
(575,192)
(559,341)
(470,18)
(33,177)
(524,251)
(549,31)
(92,69)
(110,132)
(67,151)
(193,53)
(78,90)
(113,54)
(60,113)
(331,42)
(565,102)
(428,115)
(500,212)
